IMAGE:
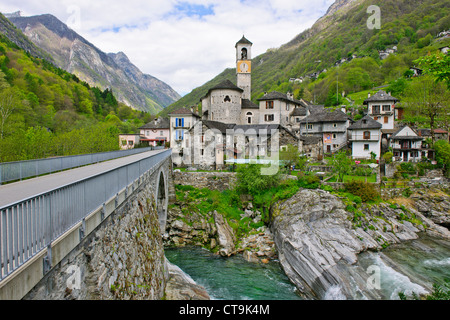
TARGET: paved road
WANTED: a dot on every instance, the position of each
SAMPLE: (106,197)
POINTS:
(15,192)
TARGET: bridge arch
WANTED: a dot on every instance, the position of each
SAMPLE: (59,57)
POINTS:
(162,199)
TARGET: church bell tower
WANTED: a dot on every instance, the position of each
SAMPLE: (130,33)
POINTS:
(244,67)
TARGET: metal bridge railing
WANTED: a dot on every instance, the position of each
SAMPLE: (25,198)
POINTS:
(19,170)
(31,225)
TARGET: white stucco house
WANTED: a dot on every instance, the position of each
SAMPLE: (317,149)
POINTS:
(406,145)
(365,138)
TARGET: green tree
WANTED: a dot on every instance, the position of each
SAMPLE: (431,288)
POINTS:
(8,102)
(251,181)
(437,65)
(342,165)
(442,149)
(430,99)
(290,156)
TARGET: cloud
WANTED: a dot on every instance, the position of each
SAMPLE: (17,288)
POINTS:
(182,42)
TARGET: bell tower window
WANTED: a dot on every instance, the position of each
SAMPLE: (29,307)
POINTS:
(244,54)
(227,99)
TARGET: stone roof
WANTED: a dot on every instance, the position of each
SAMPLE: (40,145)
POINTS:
(326,115)
(247,104)
(380,96)
(274,95)
(183,112)
(224,85)
(223,127)
(311,140)
(159,123)
(244,41)
(215,125)
(366,123)
(396,135)
(299,112)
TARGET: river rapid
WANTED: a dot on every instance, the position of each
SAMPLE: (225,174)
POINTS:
(413,266)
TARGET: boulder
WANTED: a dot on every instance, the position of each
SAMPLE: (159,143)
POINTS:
(181,286)
(225,234)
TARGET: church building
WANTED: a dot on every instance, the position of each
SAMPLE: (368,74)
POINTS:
(228,107)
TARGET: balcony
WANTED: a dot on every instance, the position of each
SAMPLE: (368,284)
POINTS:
(186,125)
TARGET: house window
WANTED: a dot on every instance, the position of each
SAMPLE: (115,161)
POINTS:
(269,104)
(124,143)
(287,107)
(334,125)
(147,133)
(179,135)
(161,133)
(269,117)
(179,122)
(310,126)
(366,135)
(366,147)
(386,119)
(376,110)
(334,136)
(131,143)
(386,108)
(227,99)
(297,120)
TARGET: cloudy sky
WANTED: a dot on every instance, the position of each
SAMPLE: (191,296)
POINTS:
(184,43)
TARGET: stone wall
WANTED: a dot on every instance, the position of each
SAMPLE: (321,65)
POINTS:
(122,260)
(220,181)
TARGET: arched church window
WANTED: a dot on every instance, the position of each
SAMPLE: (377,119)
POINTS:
(244,54)
(249,113)
(227,99)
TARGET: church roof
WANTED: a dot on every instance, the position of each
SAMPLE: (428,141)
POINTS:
(247,104)
(227,85)
(243,41)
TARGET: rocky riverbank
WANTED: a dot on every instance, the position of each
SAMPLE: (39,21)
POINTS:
(317,236)
(318,239)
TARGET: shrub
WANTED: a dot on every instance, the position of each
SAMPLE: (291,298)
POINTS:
(388,157)
(365,191)
(309,182)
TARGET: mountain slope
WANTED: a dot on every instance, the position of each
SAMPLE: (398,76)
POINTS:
(76,55)
(342,33)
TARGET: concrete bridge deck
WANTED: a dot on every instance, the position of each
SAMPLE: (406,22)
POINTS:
(44,219)
(15,192)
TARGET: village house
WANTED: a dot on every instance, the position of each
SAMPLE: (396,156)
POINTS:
(156,133)
(276,108)
(181,121)
(365,138)
(406,145)
(330,125)
(129,141)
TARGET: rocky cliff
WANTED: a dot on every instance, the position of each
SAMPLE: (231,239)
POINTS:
(75,54)
(318,240)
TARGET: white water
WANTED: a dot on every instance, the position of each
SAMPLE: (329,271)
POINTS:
(394,282)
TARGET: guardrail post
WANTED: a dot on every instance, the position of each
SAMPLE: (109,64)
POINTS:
(48,260)
(83,229)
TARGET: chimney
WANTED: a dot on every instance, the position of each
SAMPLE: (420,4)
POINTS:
(369,95)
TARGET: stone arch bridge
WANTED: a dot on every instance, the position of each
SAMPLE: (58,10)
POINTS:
(88,233)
